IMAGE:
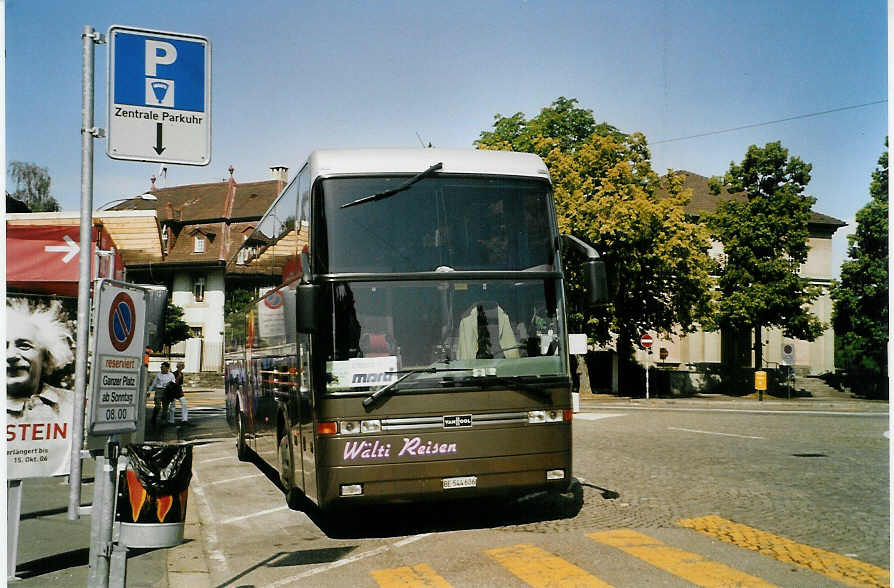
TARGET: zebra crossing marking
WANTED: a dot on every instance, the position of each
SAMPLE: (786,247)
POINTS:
(833,565)
(541,569)
(683,564)
(419,576)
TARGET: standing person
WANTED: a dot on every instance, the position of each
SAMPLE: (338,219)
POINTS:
(175,392)
(160,386)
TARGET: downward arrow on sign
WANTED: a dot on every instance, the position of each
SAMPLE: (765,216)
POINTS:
(158,140)
(70,248)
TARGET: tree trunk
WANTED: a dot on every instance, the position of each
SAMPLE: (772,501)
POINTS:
(758,348)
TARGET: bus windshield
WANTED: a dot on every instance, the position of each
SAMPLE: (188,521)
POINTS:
(442,222)
(503,328)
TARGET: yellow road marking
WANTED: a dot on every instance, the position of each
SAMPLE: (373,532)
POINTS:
(421,576)
(689,566)
(838,567)
(542,569)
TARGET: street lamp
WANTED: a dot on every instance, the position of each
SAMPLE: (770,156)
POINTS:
(146,196)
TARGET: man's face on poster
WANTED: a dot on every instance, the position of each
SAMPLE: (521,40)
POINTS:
(24,359)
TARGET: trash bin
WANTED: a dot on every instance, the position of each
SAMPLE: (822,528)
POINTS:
(152,494)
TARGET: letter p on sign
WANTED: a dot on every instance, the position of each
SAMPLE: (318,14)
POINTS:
(158,53)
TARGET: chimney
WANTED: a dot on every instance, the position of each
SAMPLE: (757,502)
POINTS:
(280,173)
(169,209)
(231,195)
(152,179)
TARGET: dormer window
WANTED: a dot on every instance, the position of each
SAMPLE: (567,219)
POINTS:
(164,239)
(198,244)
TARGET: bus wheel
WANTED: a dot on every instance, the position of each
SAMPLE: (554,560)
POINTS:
(241,445)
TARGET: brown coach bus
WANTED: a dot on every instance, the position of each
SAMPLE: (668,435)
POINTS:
(407,338)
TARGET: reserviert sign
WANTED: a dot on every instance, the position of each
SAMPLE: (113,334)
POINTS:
(117,385)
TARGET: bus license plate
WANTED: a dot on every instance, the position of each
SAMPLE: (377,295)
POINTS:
(460,482)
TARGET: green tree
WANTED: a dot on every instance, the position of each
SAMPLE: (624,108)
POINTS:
(175,329)
(765,242)
(860,317)
(32,186)
(607,193)
(237,303)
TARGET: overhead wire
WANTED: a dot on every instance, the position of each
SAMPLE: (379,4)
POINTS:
(769,122)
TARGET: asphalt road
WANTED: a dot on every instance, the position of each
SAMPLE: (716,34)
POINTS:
(663,498)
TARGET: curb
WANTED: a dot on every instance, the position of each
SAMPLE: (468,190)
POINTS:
(744,403)
(186,564)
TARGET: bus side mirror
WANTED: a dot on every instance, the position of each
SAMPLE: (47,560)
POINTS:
(595,282)
(306,301)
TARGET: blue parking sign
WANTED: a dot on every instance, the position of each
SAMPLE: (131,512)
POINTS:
(159,96)
(163,72)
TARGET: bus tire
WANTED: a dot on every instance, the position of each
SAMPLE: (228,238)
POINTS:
(241,445)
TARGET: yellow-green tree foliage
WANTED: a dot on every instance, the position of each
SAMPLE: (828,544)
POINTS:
(607,193)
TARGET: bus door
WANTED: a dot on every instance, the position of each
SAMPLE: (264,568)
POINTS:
(306,447)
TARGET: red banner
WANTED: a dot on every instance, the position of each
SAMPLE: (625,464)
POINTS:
(46,259)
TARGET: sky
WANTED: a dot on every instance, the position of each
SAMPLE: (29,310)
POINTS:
(289,77)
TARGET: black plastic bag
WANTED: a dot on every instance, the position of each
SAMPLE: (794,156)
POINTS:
(162,470)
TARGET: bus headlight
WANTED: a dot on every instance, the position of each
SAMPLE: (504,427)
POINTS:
(546,416)
(555,474)
(358,427)
(349,427)
(371,426)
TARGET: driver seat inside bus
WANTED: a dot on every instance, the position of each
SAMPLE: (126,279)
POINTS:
(485,332)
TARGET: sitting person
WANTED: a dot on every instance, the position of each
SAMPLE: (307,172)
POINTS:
(485,332)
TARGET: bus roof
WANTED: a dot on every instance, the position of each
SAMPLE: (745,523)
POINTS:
(339,162)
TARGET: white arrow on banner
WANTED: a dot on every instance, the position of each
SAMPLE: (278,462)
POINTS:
(70,248)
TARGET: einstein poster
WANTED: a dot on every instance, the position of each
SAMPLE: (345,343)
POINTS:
(39,383)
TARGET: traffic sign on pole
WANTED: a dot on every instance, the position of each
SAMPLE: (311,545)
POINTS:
(159,96)
(646,341)
(116,393)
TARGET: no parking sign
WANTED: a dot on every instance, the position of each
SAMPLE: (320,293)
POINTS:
(116,391)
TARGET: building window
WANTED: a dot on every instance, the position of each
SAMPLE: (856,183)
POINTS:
(198,288)
(198,244)
(164,239)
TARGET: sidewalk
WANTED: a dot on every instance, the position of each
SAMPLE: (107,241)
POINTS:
(720,401)
(54,550)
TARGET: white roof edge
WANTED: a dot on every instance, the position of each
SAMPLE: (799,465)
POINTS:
(74,214)
(332,162)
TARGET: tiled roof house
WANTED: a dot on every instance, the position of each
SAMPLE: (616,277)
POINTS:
(202,226)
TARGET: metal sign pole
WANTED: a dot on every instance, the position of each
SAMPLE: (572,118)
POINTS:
(88,132)
(13,519)
(648,353)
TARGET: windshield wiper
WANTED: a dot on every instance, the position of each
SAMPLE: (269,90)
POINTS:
(401,188)
(378,394)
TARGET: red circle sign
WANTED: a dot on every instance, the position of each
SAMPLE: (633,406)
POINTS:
(122,321)
(646,340)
